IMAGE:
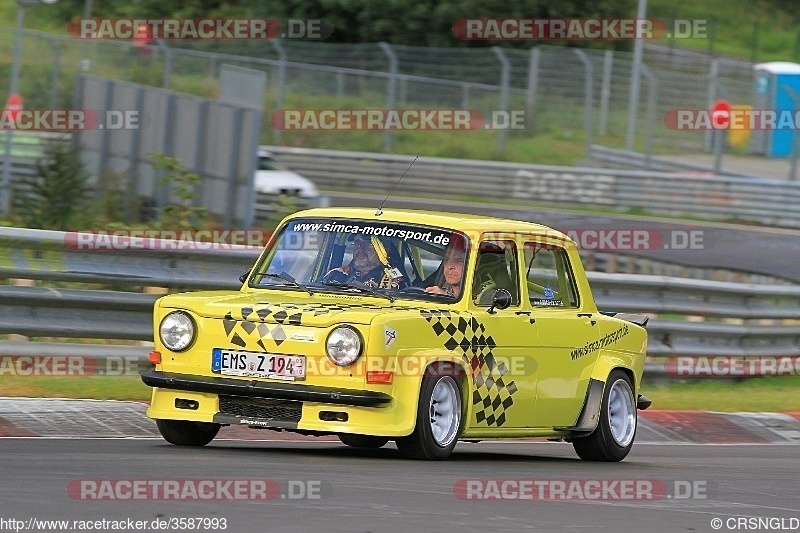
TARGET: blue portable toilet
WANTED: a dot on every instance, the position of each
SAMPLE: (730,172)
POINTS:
(770,92)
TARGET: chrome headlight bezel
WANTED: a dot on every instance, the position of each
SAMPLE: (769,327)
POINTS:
(187,321)
(337,339)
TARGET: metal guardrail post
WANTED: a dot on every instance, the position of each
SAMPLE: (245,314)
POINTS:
(505,80)
(533,85)
(281,51)
(633,99)
(339,84)
(167,81)
(588,101)
(605,91)
(652,87)
(391,91)
(711,97)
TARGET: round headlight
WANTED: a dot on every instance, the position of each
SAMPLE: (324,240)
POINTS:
(343,346)
(177,331)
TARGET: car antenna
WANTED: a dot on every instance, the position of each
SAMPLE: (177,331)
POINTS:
(379,211)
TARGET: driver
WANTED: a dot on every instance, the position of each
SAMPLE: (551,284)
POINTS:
(367,268)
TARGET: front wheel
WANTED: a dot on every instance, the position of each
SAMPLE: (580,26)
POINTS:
(613,437)
(363,441)
(187,433)
(438,420)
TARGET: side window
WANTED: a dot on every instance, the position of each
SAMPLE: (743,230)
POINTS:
(549,276)
(496,269)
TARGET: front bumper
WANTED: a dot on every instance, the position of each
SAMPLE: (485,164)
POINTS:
(260,389)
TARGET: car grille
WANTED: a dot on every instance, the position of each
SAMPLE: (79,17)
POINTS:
(286,410)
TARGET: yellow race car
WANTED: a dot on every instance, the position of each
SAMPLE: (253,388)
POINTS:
(418,327)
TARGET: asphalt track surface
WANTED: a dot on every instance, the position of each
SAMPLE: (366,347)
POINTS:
(753,249)
(377,491)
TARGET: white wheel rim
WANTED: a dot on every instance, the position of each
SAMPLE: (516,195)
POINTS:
(444,413)
(621,413)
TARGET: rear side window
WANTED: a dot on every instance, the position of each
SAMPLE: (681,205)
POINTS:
(549,276)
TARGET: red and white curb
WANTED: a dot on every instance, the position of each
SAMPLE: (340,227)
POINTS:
(70,418)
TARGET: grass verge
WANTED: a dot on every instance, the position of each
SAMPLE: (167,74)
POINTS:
(92,387)
(779,394)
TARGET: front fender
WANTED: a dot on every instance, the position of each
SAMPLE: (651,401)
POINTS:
(409,366)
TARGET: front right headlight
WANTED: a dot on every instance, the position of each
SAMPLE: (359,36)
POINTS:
(177,331)
(343,345)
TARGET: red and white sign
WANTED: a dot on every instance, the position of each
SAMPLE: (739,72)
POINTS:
(721,114)
(14,106)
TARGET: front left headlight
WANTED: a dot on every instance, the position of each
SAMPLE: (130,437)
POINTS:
(177,331)
(343,346)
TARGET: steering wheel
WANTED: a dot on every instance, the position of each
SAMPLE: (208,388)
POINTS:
(414,290)
(484,297)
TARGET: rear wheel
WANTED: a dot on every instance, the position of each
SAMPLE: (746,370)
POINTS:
(616,430)
(363,441)
(438,420)
(186,433)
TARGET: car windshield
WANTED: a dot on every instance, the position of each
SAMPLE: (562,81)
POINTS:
(266,163)
(359,256)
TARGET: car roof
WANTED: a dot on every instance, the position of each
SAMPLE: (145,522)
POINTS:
(457,221)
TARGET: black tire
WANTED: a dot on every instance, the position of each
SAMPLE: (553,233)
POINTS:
(601,445)
(422,444)
(363,441)
(186,433)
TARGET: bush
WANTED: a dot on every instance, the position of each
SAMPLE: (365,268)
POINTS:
(57,197)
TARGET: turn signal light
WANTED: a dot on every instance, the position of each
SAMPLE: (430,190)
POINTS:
(376,376)
(155,357)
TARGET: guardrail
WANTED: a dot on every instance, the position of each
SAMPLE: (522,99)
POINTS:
(705,196)
(734,313)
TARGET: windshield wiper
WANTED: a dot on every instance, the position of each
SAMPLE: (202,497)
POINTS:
(287,279)
(358,286)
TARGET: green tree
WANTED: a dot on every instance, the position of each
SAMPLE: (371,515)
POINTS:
(183,185)
(57,196)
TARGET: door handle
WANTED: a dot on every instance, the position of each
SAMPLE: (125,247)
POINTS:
(528,314)
(588,315)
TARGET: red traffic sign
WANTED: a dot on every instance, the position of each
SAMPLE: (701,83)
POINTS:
(721,115)
(14,106)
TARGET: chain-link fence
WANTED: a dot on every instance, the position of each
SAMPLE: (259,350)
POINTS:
(573,94)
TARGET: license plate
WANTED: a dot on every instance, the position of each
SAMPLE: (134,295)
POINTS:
(259,365)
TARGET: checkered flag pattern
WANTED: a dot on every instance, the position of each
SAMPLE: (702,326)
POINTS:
(267,320)
(493,393)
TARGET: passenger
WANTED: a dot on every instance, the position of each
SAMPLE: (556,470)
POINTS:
(452,273)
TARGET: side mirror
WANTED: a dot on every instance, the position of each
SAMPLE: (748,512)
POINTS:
(501,299)
(246,273)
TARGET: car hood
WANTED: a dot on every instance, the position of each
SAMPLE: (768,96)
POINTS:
(322,310)
(275,181)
